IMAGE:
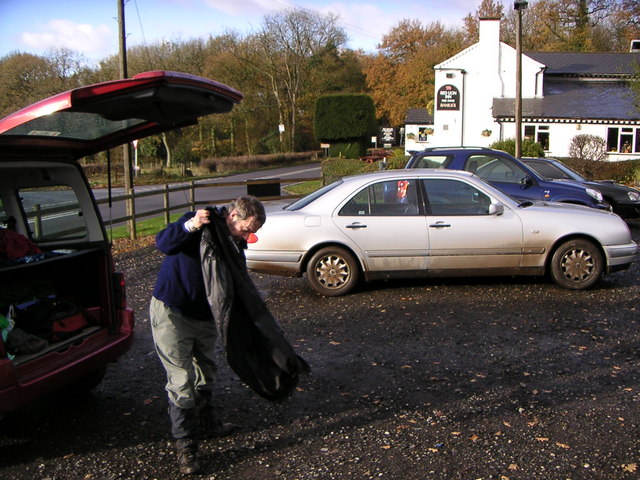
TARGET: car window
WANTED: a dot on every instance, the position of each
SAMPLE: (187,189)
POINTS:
(548,170)
(388,198)
(454,197)
(52,212)
(432,161)
(495,169)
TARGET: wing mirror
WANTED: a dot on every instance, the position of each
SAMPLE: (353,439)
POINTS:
(496,208)
(526,181)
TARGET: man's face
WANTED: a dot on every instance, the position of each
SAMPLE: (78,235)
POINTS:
(242,228)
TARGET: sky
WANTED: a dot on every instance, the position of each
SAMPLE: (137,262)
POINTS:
(90,27)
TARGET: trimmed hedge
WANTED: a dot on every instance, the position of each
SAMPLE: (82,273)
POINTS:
(343,117)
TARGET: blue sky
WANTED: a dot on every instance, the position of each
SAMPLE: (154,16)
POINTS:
(90,26)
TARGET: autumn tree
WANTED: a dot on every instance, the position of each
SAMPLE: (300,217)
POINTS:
(282,52)
(401,75)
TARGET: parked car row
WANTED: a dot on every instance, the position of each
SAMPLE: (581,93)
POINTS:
(508,174)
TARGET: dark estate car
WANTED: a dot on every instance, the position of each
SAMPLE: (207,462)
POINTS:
(506,173)
(624,200)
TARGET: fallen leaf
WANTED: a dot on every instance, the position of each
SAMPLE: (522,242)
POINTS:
(563,445)
(474,437)
(542,439)
(630,467)
(513,466)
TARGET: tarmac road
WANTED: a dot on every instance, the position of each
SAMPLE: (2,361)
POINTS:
(458,379)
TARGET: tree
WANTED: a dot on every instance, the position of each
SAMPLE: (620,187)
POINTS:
(285,45)
(401,75)
(588,147)
(345,121)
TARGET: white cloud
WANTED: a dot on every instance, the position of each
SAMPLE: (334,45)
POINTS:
(93,41)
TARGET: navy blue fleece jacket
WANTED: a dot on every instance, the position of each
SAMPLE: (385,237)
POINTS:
(180,284)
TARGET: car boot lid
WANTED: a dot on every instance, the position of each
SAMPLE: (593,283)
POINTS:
(91,119)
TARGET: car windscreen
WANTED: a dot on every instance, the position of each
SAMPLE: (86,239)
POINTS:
(304,201)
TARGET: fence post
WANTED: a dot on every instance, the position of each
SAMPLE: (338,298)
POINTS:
(37,220)
(167,216)
(192,195)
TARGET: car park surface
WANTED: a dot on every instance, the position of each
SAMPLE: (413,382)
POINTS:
(624,200)
(435,223)
(506,173)
(420,379)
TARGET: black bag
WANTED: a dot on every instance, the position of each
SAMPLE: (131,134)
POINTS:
(38,318)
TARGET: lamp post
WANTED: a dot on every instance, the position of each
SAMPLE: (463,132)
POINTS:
(519,6)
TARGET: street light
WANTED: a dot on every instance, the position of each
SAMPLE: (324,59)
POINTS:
(519,6)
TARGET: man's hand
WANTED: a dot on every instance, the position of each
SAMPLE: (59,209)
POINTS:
(200,219)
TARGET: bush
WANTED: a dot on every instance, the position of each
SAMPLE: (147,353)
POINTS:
(529,147)
(626,171)
(588,147)
(250,162)
(334,168)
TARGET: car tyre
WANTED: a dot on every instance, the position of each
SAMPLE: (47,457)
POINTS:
(332,271)
(577,264)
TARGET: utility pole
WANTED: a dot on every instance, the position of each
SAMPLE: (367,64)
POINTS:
(519,6)
(126,150)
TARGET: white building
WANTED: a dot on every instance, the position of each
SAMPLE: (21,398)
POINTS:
(563,95)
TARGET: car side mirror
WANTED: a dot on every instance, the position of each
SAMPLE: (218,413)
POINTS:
(525,181)
(496,208)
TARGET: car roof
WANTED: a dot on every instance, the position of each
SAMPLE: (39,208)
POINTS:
(93,118)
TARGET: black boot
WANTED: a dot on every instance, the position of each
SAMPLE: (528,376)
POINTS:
(187,450)
(184,428)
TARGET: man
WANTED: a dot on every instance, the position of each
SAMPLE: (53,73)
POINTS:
(184,331)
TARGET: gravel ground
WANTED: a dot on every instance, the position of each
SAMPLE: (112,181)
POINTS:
(457,379)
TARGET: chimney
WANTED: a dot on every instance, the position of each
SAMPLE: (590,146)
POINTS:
(490,32)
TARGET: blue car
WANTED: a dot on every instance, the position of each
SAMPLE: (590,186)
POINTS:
(624,200)
(507,174)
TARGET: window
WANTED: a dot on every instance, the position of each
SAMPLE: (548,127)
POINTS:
(623,139)
(433,161)
(495,169)
(389,198)
(538,134)
(52,213)
(453,197)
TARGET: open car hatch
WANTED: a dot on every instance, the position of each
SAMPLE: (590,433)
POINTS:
(94,118)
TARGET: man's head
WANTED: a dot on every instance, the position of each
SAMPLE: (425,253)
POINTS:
(245,216)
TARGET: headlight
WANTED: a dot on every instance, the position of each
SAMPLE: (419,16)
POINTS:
(633,196)
(595,194)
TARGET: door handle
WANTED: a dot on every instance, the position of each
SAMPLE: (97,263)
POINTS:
(440,225)
(357,225)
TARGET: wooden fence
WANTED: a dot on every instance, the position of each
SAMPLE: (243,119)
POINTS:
(265,190)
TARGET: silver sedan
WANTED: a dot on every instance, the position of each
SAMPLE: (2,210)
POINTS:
(434,223)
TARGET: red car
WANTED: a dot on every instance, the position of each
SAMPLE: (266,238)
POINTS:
(63,311)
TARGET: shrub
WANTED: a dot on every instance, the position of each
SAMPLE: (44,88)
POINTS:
(249,162)
(529,147)
(588,147)
(626,171)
